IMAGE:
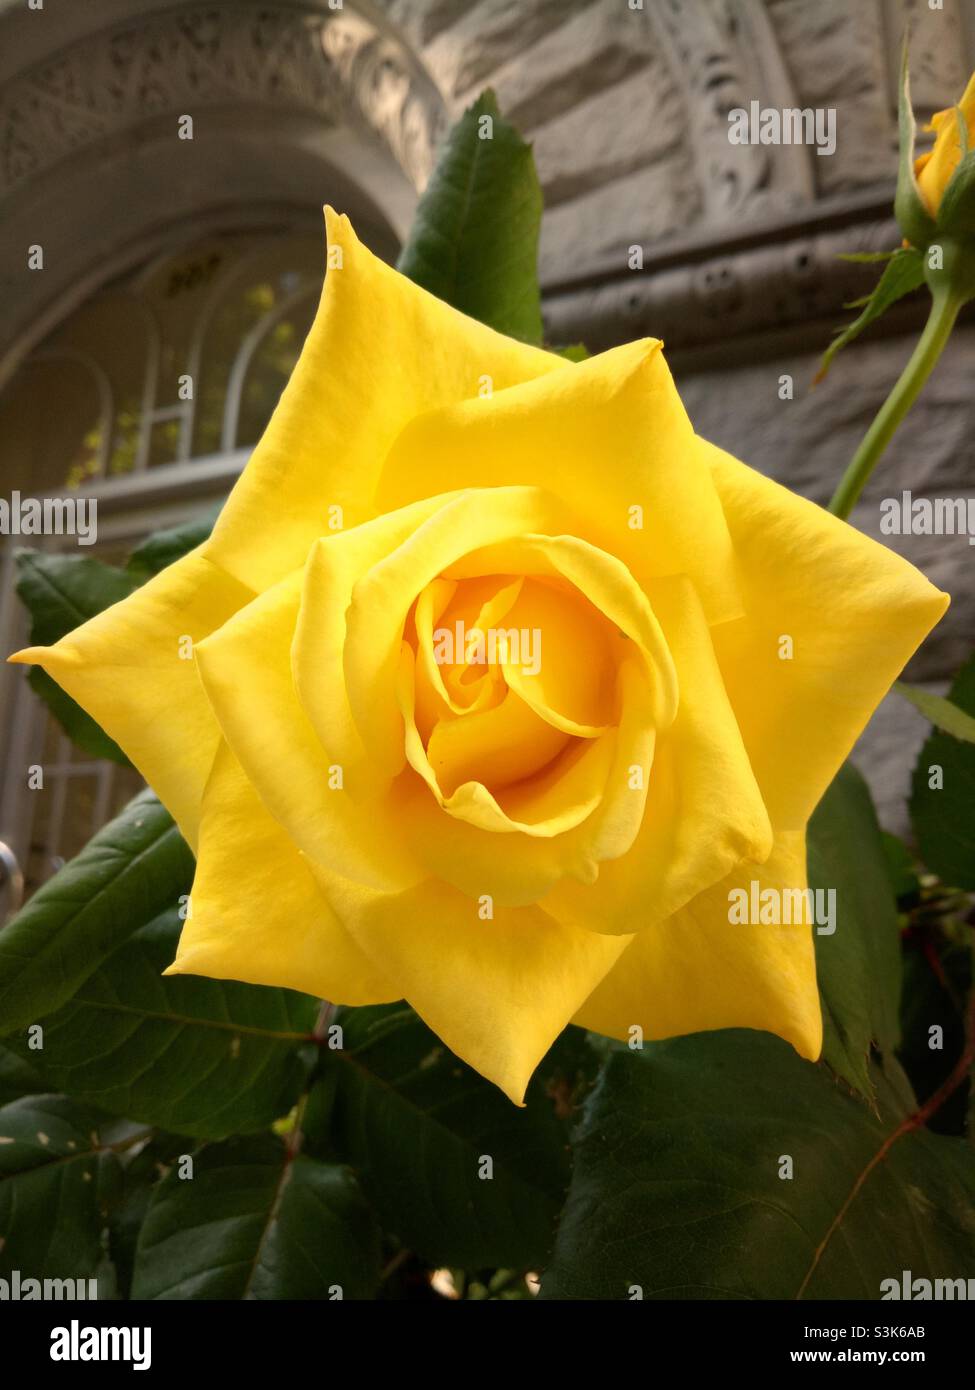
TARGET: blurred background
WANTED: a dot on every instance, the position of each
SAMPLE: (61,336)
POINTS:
(166,257)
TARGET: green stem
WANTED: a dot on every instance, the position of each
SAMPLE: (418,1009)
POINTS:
(944,310)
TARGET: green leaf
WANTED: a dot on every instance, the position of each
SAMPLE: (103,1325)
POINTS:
(163,548)
(865,257)
(57,1179)
(416,1124)
(943,815)
(132,870)
(676,1184)
(18,1077)
(859,965)
(937,978)
(944,715)
(912,215)
(61,592)
(575,352)
(903,877)
(903,273)
(199,1056)
(143,1171)
(474,240)
(255,1222)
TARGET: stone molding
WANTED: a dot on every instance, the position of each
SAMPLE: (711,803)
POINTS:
(226,53)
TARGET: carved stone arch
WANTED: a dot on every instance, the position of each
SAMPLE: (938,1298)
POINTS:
(294,103)
(727,55)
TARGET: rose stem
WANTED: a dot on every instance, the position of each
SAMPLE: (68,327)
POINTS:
(944,310)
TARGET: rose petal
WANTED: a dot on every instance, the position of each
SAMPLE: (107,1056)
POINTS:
(855,611)
(498,992)
(246,669)
(335,565)
(698,971)
(257,911)
(133,671)
(381,600)
(934,168)
(380,351)
(523,868)
(704,808)
(608,437)
(544,806)
(576,653)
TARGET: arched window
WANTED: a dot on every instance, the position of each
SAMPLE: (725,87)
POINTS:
(171,371)
(183,360)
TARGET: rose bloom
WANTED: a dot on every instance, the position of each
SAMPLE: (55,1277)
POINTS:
(508,844)
(935,168)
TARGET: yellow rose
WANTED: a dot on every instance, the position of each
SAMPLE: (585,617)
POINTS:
(376,817)
(935,168)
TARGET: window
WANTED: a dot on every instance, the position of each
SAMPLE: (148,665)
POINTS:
(183,360)
(179,362)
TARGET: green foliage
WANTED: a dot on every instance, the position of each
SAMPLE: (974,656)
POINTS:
(678,1182)
(63,591)
(943,714)
(912,215)
(205,1057)
(416,1124)
(474,240)
(132,870)
(165,547)
(903,273)
(59,1174)
(903,877)
(575,352)
(937,979)
(859,965)
(18,1076)
(257,1221)
(942,799)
